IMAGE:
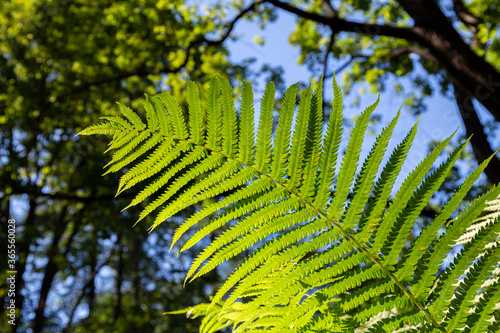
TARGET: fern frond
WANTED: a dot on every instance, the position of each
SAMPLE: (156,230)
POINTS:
(447,284)
(235,201)
(364,183)
(383,186)
(331,250)
(350,163)
(164,120)
(141,171)
(425,274)
(426,237)
(483,314)
(151,115)
(459,309)
(134,119)
(403,196)
(421,196)
(175,113)
(121,161)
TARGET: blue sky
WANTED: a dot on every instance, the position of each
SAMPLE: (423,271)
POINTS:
(438,122)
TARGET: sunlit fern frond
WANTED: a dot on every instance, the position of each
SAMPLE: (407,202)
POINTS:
(330,253)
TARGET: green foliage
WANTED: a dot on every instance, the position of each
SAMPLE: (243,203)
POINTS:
(331,251)
(62,64)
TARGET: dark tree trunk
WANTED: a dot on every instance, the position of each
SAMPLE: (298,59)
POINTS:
(480,145)
(472,74)
(117,307)
(51,270)
(472,77)
(91,287)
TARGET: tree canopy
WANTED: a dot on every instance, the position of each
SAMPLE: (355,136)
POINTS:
(64,64)
(455,44)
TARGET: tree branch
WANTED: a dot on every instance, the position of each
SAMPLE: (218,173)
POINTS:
(66,196)
(140,72)
(464,15)
(146,71)
(327,54)
(479,142)
(338,24)
(468,19)
(330,11)
(230,26)
(433,31)
(346,64)
(422,53)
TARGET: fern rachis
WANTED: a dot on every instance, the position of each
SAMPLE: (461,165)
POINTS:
(315,242)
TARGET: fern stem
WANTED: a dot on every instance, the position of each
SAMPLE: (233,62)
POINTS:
(318,213)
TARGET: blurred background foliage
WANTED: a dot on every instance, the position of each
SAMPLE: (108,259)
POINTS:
(81,266)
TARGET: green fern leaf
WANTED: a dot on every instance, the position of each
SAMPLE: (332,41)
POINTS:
(350,163)
(331,251)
